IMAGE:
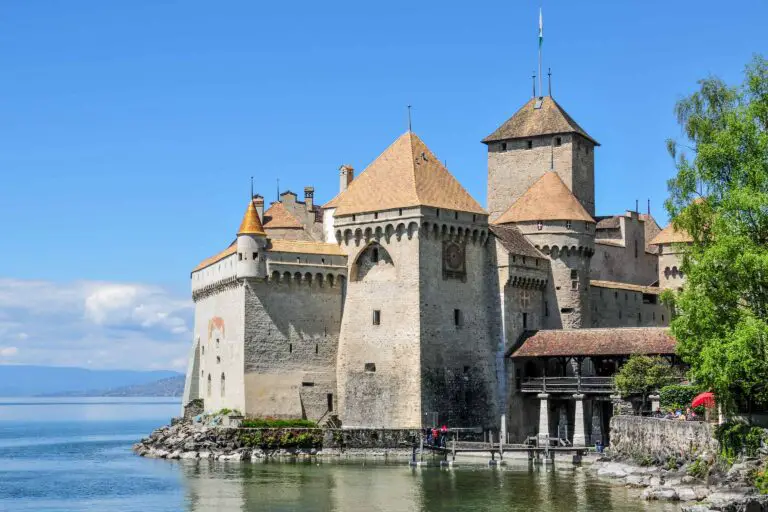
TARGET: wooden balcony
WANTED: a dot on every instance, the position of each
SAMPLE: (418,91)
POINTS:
(569,385)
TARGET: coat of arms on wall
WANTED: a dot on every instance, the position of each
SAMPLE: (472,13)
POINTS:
(454,261)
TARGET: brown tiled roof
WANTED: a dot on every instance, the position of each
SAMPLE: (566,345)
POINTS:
(652,229)
(251,224)
(596,342)
(406,174)
(530,122)
(547,199)
(232,249)
(625,286)
(514,241)
(301,247)
(611,222)
(333,203)
(669,235)
(278,216)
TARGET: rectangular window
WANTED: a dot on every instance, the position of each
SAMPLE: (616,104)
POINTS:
(255,256)
(457,317)
(456,215)
(370,367)
(376,215)
(558,141)
(567,224)
(239,256)
(566,310)
(329,396)
(546,308)
(503,146)
(529,144)
(400,212)
(308,384)
(574,274)
(525,320)
(376,317)
(437,212)
(290,348)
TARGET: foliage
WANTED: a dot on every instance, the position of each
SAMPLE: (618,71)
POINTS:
(699,469)
(720,198)
(644,375)
(281,438)
(672,463)
(273,423)
(679,397)
(642,459)
(737,438)
(760,480)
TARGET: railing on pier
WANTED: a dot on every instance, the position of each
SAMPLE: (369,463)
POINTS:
(592,385)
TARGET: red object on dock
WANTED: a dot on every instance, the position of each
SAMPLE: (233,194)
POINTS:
(707,399)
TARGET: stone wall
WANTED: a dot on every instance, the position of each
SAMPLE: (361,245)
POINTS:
(370,438)
(624,259)
(291,340)
(620,307)
(513,168)
(633,436)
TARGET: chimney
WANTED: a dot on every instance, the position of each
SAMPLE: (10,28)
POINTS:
(346,175)
(309,193)
(258,202)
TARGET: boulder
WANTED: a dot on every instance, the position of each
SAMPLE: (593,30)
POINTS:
(660,494)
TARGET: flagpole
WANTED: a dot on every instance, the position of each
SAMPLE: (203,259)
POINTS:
(541,37)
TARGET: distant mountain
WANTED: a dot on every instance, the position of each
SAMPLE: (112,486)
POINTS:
(23,380)
(170,387)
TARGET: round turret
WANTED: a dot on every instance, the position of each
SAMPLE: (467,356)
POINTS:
(251,244)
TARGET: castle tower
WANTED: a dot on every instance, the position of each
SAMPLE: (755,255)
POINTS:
(539,138)
(251,244)
(671,243)
(556,223)
(419,332)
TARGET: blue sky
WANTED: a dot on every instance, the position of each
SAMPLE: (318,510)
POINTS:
(129,130)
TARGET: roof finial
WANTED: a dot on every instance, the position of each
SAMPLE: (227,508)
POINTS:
(278,190)
(533,79)
(549,81)
(409,118)
(649,207)
(251,188)
(541,41)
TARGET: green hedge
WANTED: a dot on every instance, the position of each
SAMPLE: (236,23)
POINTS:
(738,438)
(273,423)
(280,438)
(678,396)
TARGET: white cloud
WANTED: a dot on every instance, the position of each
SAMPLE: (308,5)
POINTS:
(8,351)
(99,324)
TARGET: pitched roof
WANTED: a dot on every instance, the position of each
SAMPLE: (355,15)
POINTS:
(251,224)
(278,216)
(514,241)
(232,249)
(530,122)
(669,235)
(655,290)
(547,199)
(596,342)
(610,222)
(406,174)
(302,247)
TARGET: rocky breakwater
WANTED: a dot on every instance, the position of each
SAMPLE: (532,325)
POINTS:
(188,440)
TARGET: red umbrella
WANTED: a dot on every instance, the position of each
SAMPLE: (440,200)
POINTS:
(707,399)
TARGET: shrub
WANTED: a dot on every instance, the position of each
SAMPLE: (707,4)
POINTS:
(671,463)
(738,438)
(280,438)
(273,423)
(760,480)
(678,396)
(699,469)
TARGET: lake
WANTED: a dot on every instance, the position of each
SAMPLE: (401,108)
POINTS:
(74,454)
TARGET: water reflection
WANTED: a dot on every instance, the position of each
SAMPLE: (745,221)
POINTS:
(353,486)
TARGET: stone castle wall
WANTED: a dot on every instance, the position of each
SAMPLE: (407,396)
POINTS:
(669,262)
(292,324)
(633,436)
(624,259)
(619,307)
(513,168)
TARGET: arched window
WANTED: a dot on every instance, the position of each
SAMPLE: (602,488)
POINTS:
(208,389)
(223,382)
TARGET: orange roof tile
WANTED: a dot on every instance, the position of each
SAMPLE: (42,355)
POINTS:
(232,249)
(530,122)
(596,342)
(669,235)
(251,224)
(278,216)
(547,199)
(302,247)
(406,174)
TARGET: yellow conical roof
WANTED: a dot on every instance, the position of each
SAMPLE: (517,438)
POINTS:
(251,224)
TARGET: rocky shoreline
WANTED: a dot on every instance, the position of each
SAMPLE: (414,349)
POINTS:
(726,492)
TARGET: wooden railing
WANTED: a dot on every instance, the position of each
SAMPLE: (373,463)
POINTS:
(593,385)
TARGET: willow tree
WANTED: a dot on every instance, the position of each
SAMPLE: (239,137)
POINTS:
(720,197)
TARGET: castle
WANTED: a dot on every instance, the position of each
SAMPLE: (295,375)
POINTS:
(403,303)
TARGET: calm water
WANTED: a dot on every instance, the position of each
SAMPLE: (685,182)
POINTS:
(74,454)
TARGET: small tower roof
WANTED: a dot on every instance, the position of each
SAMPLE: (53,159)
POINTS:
(406,174)
(529,121)
(669,235)
(547,199)
(251,224)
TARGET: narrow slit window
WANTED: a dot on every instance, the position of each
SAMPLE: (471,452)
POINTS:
(329,397)
(239,256)
(375,255)
(529,144)
(457,317)
(376,317)
(558,141)
(503,146)
(525,320)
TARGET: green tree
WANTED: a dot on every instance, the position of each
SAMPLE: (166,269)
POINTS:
(720,197)
(644,375)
